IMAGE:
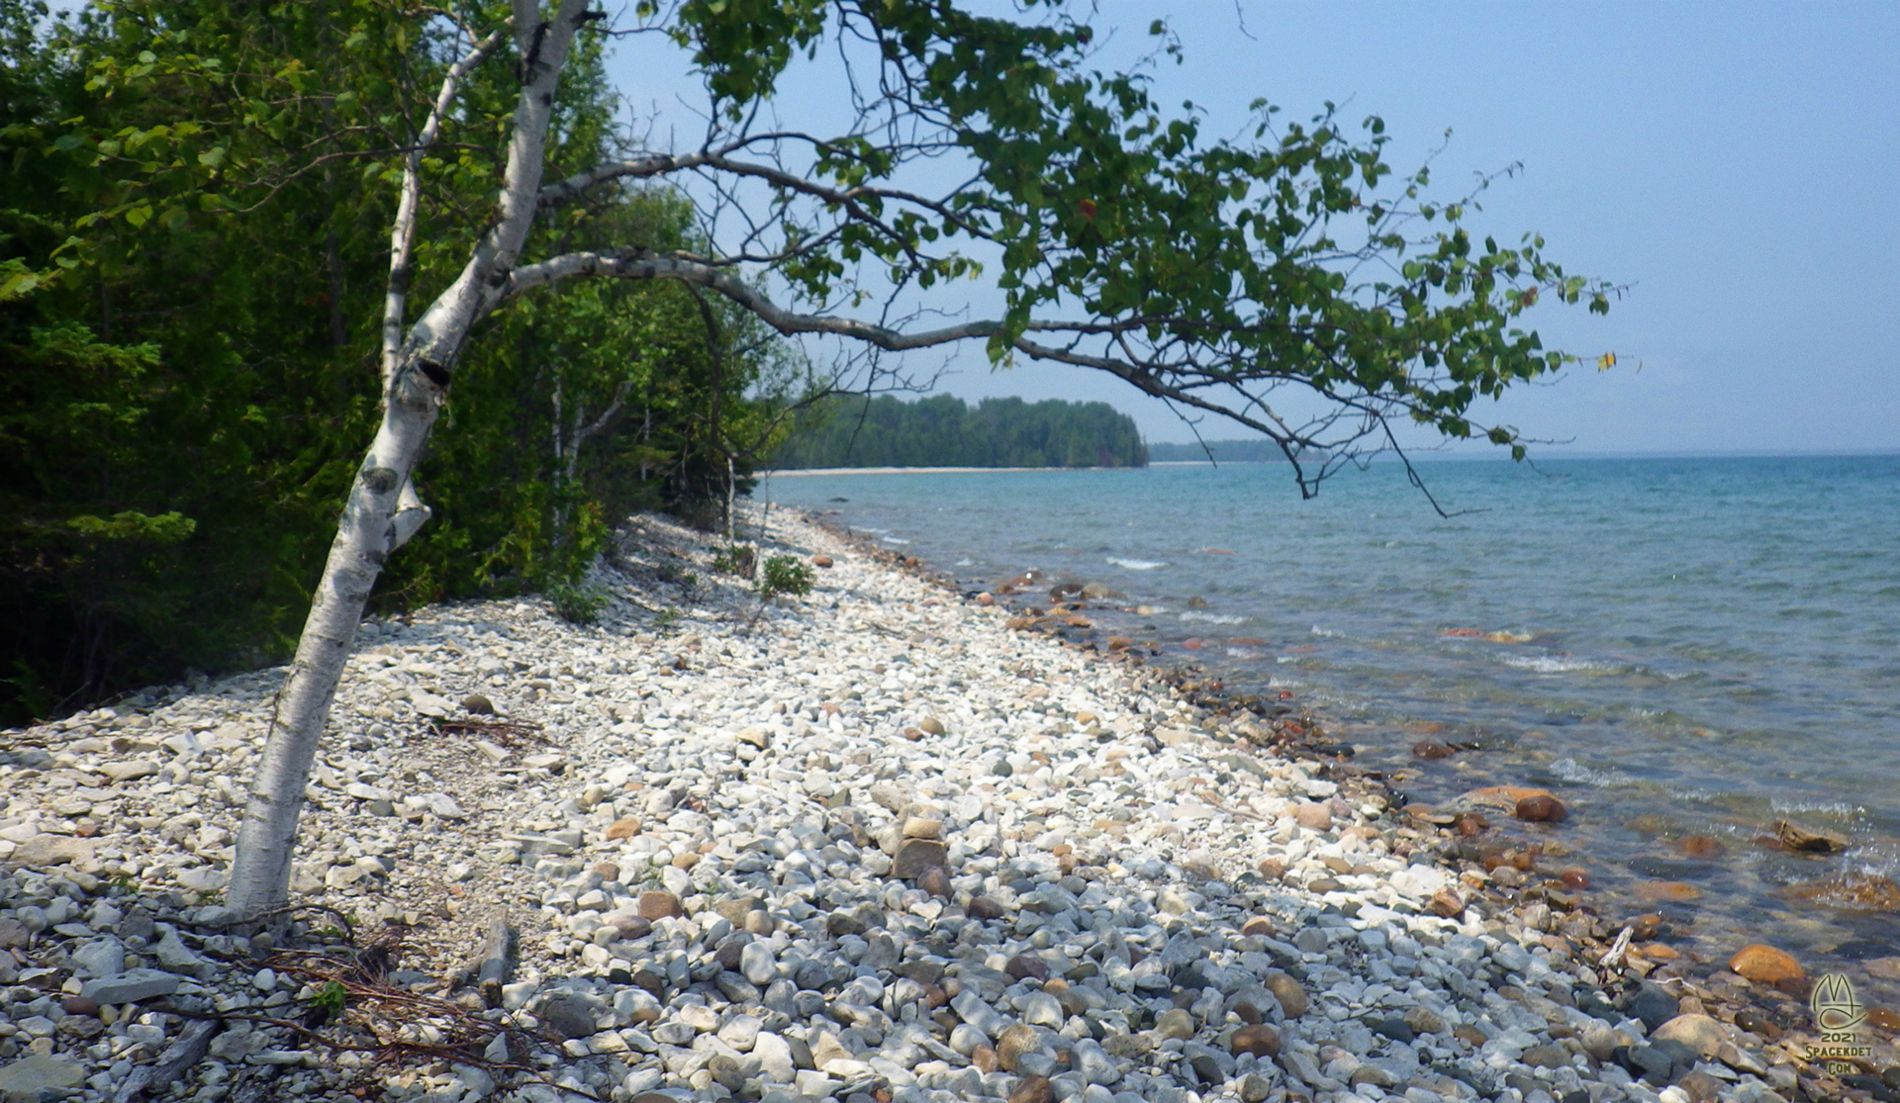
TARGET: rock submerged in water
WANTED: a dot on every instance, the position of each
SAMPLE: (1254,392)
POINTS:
(1850,891)
(1542,808)
(1764,964)
(1802,841)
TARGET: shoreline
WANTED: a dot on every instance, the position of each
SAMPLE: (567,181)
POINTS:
(873,837)
(815,472)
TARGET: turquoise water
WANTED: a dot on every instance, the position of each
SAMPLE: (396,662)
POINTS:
(1688,646)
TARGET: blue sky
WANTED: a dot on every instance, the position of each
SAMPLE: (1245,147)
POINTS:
(1739,165)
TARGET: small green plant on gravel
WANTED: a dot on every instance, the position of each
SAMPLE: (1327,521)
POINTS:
(666,620)
(739,559)
(328,1001)
(784,575)
(577,602)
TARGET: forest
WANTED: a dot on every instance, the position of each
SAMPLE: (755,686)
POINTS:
(188,327)
(1220,451)
(943,431)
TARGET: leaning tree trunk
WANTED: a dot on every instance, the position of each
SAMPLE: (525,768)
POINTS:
(383,509)
(375,521)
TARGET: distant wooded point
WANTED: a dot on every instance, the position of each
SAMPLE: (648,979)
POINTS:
(1259,450)
(944,431)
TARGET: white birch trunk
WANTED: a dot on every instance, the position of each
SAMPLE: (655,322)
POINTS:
(366,535)
(383,509)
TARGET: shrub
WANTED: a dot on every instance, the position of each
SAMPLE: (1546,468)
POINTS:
(784,574)
(577,602)
(739,559)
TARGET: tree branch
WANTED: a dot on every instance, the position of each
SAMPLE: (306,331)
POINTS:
(402,231)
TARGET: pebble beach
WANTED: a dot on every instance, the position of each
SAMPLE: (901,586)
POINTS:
(877,844)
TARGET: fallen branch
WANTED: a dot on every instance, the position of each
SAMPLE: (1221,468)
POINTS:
(493,966)
(188,1050)
(505,732)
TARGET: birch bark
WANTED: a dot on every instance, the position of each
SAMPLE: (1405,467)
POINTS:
(383,509)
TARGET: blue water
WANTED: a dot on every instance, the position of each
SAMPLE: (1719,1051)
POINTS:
(1685,646)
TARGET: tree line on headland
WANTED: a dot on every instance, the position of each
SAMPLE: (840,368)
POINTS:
(943,431)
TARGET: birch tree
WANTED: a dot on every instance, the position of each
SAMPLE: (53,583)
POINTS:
(1290,283)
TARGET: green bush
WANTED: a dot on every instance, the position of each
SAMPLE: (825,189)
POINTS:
(784,574)
(577,602)
(739,559)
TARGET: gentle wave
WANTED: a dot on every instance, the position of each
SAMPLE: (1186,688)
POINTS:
(1214,618)
(1136,564)
(895,540)
(1561,664)
(1570,770)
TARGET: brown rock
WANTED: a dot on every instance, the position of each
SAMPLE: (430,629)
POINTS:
(655,904)
(685,861)
(1541,809)
(1273,869)
(1314,816)
(985,599)
(982,907)
(1852,891)
(984,1058)
(931,725)
(922,827)
(476,704)
(821,561)
(1259,925)
(1503,796)
(1699,846)
(1764,964)
(1446,904)
(630,924)
(1290,993)
(1015,1040)
(1469,1035)
(1803,841)
(936,882)
(1700,1087)
(1645,927)
(1668,891)
(622,829)
(1699,1032)
(1260,1040)
(1033,1089)
(1575,878)
(915,856)
(1025,967)
(79,1005)
(1427,748)
(1881,1018)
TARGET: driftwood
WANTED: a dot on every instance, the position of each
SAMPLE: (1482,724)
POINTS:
(493,966)
(187,1051)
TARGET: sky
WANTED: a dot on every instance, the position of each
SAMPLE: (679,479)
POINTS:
(1738,166)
